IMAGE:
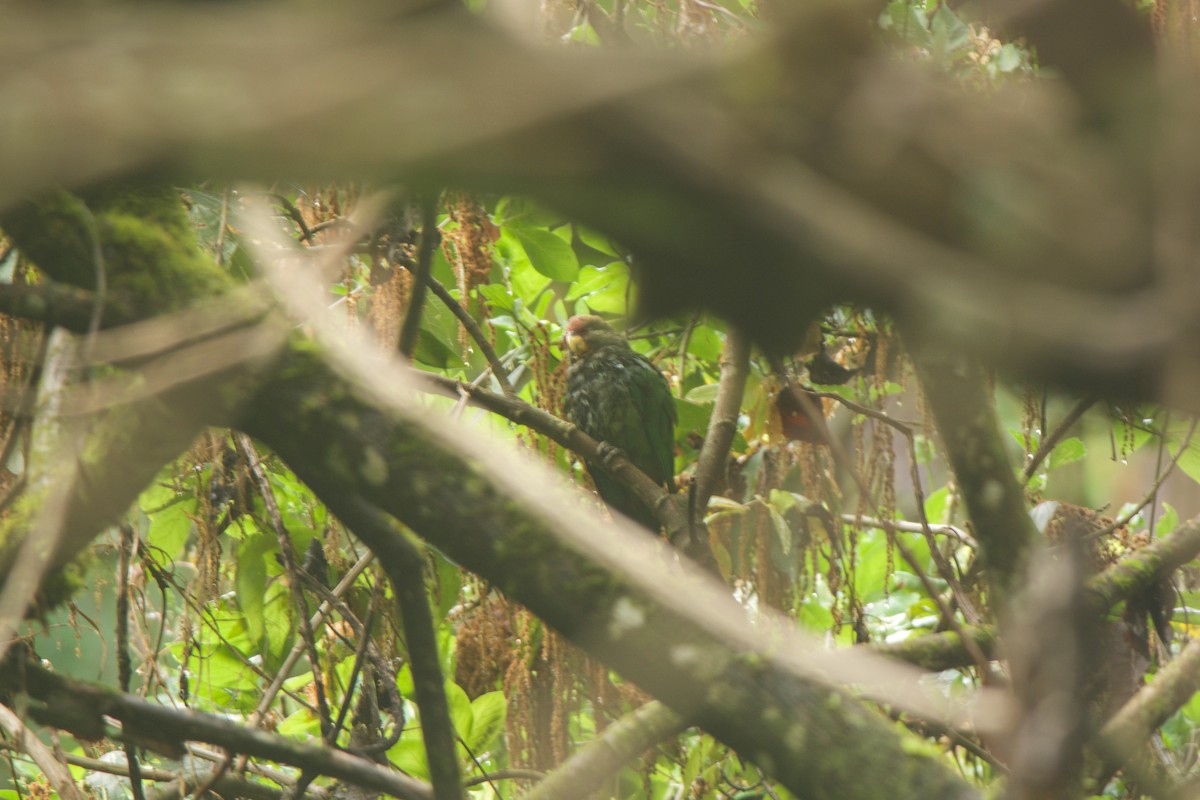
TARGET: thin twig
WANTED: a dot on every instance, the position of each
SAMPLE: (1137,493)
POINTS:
(913,527)
(426,244)
(297,650)
(288,553)
(475,332)
(684,342)
(124,668)
(1051,441)
(294,214)
(842,458)
(1128,516)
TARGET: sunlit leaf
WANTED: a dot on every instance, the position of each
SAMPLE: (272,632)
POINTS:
(1068,451)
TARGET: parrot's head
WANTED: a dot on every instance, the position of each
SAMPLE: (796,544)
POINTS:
(587,333)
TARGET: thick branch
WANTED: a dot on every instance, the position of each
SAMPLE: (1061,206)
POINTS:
(1144,568)
(1134,573)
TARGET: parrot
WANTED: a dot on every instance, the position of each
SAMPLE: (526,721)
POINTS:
(618,396)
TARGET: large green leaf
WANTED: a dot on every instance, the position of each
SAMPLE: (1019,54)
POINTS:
(489,711)
(170,519)
(252,583)
(548,254)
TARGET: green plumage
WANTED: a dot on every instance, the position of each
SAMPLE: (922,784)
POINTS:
(618,396)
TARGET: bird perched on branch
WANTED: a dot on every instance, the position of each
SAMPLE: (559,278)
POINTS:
(619,397)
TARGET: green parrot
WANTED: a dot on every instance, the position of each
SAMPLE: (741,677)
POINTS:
(619,397)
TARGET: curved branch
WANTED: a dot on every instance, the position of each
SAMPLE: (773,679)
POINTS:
(626,739)
(1131,727)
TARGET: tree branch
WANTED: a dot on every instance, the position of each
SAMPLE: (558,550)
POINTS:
(81,708)
(1051,440)
(476,333)
(965,415)
(426,244)
(405,568)
(1123,736)
(817,218)
(57,775)
(585,772)
(711,465)
(668,507)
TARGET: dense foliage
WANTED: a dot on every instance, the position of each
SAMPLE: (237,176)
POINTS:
(882,495)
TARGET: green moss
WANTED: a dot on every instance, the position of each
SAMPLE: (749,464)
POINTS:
(151,260)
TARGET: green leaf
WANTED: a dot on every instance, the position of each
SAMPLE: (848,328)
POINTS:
(497,295)
(408,754)
(783,531)
(460,710)
(278,624)
(170,528)
(449,582)
(936,505)
(595,240)
(1009,58)
(1189,462)
(1068,451)
(691,417)
(601,289)
(1167,521)
(548,253)
(949,32)
(489,711)
(785,501)
(703,394)
(705,343)
(252,583)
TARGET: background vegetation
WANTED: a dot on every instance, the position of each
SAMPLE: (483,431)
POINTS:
(287,506)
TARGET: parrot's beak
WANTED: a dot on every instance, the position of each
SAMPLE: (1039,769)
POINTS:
(575,344)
